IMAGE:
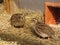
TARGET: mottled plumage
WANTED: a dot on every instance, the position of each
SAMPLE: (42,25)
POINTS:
(17,20)
(42,29)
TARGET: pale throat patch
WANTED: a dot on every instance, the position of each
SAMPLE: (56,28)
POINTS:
(43,35)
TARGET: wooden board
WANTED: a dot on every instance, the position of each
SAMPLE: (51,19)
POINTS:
(9,6)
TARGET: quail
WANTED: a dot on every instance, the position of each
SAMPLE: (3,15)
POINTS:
(17,20)
(41,29)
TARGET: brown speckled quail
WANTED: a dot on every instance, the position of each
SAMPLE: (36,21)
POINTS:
(42,30)
(17,20)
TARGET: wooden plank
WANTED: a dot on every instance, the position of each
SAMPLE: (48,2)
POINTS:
(6,4)
(9,6)
(53,4)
